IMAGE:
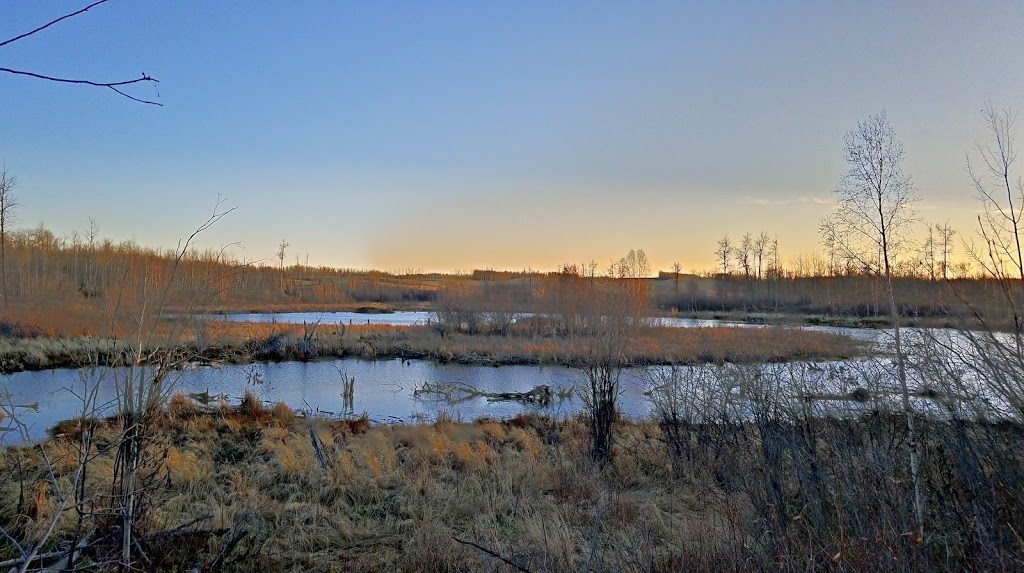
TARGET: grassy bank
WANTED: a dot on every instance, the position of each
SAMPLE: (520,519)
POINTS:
(247,342)
(760,495)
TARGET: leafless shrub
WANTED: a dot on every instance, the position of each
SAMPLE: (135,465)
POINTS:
(812,457)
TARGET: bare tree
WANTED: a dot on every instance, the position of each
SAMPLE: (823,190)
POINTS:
(928,257)
(8,204)
(634,269)
(140,368)
(946,233)
(744,253)
(1001,191)
(634,265)
(773,255)
(761,244)
(281,251)
(612,313)
(92,233)
(145,385)
(874,210)
(676,269)
(116,86)
(994,355)
(1002,198)
(724,253)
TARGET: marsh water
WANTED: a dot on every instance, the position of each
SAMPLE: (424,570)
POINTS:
(388,391)
(395,318)
(383,389)
(410,318)
(407,318)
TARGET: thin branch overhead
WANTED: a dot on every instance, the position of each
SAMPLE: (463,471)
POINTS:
(109,85)
(51,23)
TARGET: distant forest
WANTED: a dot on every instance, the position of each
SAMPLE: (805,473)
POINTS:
(66,284)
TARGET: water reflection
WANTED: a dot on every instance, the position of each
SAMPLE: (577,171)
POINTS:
(384,389)
(393,318)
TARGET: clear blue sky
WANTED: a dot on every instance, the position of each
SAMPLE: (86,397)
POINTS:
(450,135)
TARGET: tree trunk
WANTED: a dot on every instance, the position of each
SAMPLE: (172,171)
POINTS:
(908,411)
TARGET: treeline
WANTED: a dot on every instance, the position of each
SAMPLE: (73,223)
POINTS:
(39,265)
(40,268)
(853,295)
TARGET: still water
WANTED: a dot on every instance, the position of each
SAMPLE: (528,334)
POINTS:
(384,389)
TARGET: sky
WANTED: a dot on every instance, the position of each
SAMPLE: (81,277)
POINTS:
(442,136)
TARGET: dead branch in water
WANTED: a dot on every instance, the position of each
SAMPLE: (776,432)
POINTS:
(457,393)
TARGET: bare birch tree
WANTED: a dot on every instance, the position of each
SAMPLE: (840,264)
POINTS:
(874,211)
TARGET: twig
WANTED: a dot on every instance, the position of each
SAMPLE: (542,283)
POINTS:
(177,530)
(507,561)
(51,23)
(228,549)
(82,544)
(110,85)
(316,447)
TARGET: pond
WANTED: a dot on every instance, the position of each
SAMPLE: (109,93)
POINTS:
(384,389)
(407,318)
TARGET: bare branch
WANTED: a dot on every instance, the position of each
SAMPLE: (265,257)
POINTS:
(51,23)
(110,85)
(494,554)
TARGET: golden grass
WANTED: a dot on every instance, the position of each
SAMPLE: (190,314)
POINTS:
(246,342)
(399,498)
(662,345)
(391,499)
(60,316)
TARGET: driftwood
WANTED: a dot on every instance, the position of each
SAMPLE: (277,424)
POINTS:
(316,447)
(455,393)
(537,395)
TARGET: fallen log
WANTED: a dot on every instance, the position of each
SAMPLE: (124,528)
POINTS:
(455,393)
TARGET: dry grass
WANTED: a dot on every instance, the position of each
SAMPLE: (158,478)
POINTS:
(409,498)
(59,316)
(663,345)
(392,498)
(246,342)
